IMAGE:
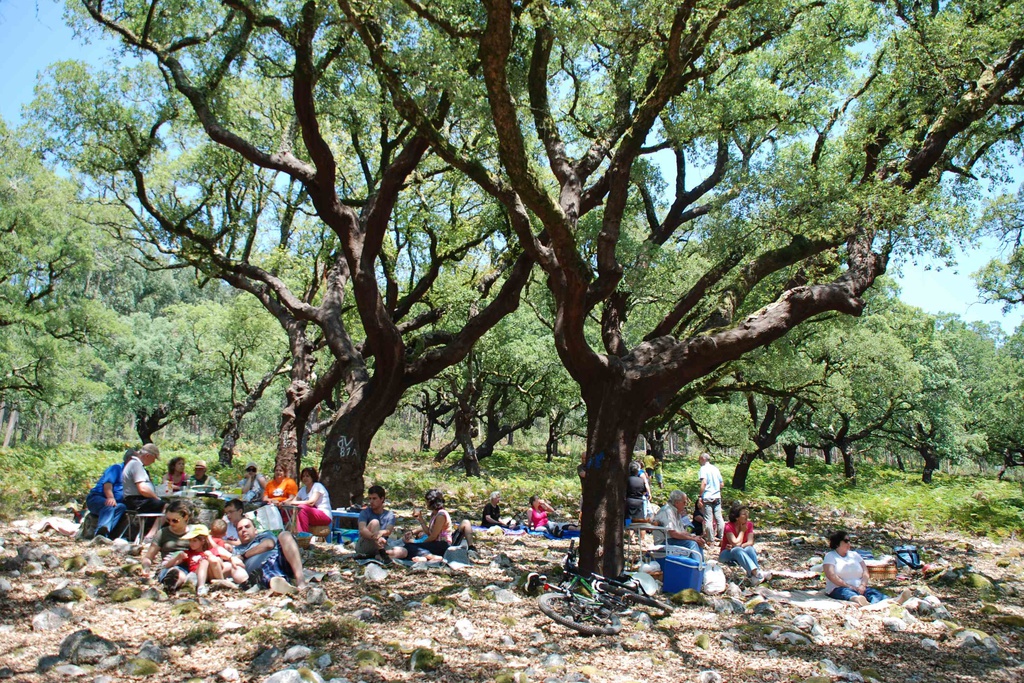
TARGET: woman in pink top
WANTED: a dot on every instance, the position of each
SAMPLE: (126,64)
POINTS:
(738,544)
(537,518)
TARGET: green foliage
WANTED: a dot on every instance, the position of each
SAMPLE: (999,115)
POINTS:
(198,634)
(327,630)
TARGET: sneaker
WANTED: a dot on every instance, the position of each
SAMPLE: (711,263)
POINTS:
(756,578)
(203,590)
(170,581)
(279,584)
(253,589)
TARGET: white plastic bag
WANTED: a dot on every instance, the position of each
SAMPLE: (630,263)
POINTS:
(269,518)
(714,579)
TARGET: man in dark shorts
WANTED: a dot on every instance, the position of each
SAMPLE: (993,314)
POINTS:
(270,561)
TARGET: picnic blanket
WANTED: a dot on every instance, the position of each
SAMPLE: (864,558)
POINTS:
(816,600)
(490,530)
(567,533)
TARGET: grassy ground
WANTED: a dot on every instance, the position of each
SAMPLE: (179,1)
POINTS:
(46,477)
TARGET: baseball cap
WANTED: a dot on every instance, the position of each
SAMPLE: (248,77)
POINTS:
(195,532)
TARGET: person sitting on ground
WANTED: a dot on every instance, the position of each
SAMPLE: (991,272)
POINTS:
(168,541)
(537,515)
(738,544)
(233,510)
(375,525)
(438,530)
(139,494)
(198,559)
(253,484)
(312,501)
(847,576)
(201,478)
(270,561)
(280,488)
(678,526)
(175,478)
(492,514)
(106,499)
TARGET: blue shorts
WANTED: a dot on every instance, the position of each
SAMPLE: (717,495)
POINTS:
(274,565)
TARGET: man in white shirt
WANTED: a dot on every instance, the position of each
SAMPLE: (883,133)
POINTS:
(139,493)
(711,494)
(677,523)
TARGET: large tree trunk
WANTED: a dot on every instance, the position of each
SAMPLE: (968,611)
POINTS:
(12,422)
(826,450)
(348,443)
(656,443)
(612,431)
(465,427)
(790,450)
(299,401)
(233,429)
(739,476)
(849,470)
(149,423)
(931,463)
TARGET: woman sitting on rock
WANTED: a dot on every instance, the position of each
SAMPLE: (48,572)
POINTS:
(738,544)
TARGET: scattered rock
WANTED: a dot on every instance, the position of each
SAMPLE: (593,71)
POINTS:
(553,662)
(51,619)
(5,586)
(929,644)
(153,652)
(47,662)
(375,573)
(503,596)
(465,630)
(70,671)
(229,675)
(297,653)
(301,675)
(688,597)
(62,595)
(266,661)
(703,641)
(316,596)
(84,647)
(6,672)
(893,624)
(709,676)
(74,563)
(323,661)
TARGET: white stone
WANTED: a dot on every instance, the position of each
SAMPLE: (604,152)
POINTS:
(465,630)
(229,674)
(297,653)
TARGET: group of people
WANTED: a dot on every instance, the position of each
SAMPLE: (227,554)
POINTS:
(231,552)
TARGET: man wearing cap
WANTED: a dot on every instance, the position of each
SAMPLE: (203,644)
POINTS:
(201,478)
(139,493)
(253,483)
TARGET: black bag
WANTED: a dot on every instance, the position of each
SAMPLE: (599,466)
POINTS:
(906,556)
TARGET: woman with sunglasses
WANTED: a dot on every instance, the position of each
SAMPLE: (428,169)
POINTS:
(168,542)
(846,574)
(253,484)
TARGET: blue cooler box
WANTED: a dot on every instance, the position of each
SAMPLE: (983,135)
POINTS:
(679,573)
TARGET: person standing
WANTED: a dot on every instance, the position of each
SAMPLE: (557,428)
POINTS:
(711,494)
(106,499)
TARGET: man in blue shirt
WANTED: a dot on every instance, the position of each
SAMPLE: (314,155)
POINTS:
(106,499)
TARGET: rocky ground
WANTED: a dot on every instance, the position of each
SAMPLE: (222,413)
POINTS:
(73,610)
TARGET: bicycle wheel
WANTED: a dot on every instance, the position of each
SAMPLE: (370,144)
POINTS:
(569,611)
(630,596)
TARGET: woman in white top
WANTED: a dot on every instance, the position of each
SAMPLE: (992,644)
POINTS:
(846,574)
(313,502)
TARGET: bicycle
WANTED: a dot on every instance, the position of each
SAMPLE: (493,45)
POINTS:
(590,603)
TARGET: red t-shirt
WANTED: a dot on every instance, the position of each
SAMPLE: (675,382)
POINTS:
(730,528)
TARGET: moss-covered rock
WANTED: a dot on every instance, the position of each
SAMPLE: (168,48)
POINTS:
(703,641)
(1014,620)
(424,659)
(73,563)
(184,608)
(125,594)
(668,624)
(688,597)
(141,667)
(369,658)
(140,604)
(511,677)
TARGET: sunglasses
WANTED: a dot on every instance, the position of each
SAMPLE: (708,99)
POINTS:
(846,540)
(174,520)
(251,469)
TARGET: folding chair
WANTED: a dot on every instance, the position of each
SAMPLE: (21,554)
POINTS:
(137,519)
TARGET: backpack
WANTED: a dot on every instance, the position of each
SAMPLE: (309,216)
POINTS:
(906,556)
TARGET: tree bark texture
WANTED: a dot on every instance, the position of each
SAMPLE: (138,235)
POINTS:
(148,423)
(790,450)
(233,428)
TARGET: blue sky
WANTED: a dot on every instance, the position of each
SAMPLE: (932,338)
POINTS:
(33,36)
